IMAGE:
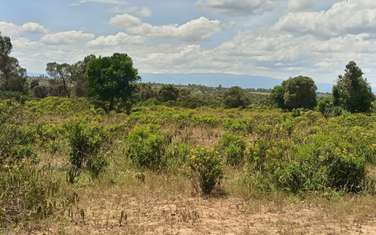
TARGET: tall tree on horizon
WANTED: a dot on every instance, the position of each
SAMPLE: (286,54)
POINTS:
(352,91)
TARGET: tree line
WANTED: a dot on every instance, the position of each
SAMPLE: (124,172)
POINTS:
(113,83)
(351,93)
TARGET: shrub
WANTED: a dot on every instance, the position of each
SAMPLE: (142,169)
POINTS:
(277,96)
(328,109)
(346,173)
(168,93)
(86,141)
(177,155)
(325,162)
(206,168)
(40,92)
(233,148)
(57,89)
(146,147)
(16,139)
(27,193)
(235,97)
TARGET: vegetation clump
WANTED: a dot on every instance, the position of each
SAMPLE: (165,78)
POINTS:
(352,91)
(86,142)
(297,92)
(207,169)
(146,147)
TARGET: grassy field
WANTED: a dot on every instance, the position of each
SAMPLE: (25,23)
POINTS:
(173,170)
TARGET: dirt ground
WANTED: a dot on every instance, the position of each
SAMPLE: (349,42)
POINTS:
(115,211)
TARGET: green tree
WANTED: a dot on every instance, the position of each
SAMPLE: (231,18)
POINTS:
(12,75)
(80,78)
(297,92)
(168,93)
(235,98)
(61,72)
(112,80)
(277,96)
(352,91)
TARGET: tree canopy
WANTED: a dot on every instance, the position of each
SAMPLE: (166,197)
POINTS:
(12,75)
(297,92)
(112,80)
(352,91)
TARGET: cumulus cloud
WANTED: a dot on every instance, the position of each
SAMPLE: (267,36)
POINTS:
(34,27)
(68,37)
(194,30)
(345,17)
(12,29)
(237,7)
(115,40)
(314,38)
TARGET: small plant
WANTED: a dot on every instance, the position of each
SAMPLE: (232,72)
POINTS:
(86,143)
(27,193)
(177,155)
(207,169)
(233,148)
(146,147)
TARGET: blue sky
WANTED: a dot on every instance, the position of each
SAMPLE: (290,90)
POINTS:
(266,38)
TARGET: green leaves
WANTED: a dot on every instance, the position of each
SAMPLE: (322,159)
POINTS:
(352,91)
(146,147)
(86,141)
(297,92)
(112,80)
(207,169)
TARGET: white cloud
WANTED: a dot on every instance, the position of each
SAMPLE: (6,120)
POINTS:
(68,37)
(126,20)
(194,30)
(34,27)
(115,40)
(11,29)
(345,17)
(236,7)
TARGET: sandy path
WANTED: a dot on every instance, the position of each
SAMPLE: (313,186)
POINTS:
(147,213)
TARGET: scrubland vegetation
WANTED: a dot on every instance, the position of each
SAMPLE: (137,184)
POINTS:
(93,127)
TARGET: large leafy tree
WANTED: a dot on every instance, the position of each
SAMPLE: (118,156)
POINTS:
(12,75)
(112,80)
(297,92)
(62,73)
(352,91)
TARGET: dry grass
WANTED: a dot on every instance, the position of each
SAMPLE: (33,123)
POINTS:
(166,205)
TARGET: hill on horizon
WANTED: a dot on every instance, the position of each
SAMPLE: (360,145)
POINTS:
(225,80)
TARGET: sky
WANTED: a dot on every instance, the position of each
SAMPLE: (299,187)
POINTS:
(266,38)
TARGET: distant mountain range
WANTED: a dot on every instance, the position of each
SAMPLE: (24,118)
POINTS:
(214,80)
(225,80)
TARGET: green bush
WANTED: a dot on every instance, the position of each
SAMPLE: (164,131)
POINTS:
(232,147)
(146,147)
(177,155)
(86,141)
(207,169)
(235,98)
(325,162)
(40,92)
